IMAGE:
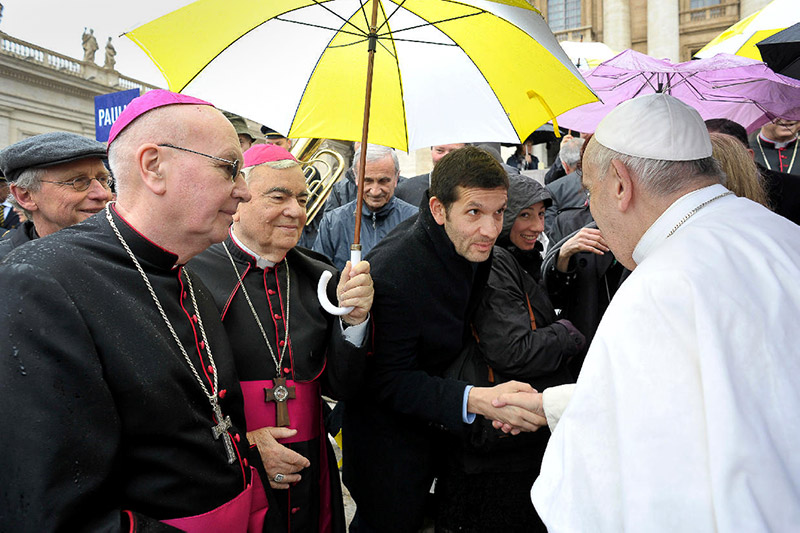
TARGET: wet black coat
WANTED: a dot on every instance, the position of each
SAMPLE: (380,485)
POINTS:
(103,413)
(18,236)
(424,297)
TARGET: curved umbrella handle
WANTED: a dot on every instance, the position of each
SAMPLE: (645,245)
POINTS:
(322,295)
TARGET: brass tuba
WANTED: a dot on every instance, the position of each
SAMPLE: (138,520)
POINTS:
(321,173)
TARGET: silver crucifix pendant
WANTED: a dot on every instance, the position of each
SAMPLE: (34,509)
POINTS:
(221,430)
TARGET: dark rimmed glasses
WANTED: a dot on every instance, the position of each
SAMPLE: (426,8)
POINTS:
(82,183)
(233,166)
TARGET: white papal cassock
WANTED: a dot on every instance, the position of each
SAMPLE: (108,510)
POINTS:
(686,416)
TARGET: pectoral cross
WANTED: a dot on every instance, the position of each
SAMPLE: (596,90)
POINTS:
(221,430)
(279,393)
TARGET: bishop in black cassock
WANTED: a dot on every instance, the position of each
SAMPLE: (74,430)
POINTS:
(123,414)
(284,375)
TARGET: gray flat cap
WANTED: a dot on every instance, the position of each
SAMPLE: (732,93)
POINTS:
(46,150)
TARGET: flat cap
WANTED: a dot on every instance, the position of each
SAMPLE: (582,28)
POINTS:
(239,124)
(46,150)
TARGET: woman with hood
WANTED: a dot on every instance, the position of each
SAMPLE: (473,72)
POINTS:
(486,485)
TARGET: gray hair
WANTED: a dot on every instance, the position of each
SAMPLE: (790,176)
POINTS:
(570,153)
(29,179)
(376,152)
(661,178)
(276,165)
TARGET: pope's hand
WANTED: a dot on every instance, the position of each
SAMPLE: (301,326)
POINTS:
(277,458)
(355,290)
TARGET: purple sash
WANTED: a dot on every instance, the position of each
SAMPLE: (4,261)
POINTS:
(304,409)
(244,513)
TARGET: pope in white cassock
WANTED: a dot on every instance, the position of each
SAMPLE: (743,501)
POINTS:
(686,415)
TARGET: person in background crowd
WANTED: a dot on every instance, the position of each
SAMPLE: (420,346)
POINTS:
(412,190)
(381,210)
(57,179)
(246,139)
(742,177)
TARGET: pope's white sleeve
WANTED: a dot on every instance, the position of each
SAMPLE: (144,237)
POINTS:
(555,401)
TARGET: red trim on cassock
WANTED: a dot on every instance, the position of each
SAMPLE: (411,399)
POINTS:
(142,235)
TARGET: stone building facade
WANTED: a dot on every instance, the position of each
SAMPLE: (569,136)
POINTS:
(674,29)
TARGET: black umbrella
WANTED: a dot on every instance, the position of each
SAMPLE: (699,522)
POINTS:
(781,51)
(544,134)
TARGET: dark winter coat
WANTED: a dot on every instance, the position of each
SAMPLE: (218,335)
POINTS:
(107,421)
(585,290)
(424,297)
(18,236)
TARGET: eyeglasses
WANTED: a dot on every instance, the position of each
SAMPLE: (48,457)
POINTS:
(233,166)
(82,183)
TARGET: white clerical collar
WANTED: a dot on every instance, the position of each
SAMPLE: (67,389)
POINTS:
(659,231)
(261,263)
(778,145)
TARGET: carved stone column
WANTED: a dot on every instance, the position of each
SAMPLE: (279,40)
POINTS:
(663,41)
(617,24)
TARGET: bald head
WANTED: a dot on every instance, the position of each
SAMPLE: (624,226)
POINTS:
(174,124)
(182,196)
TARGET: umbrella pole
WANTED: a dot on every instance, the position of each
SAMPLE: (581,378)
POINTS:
(362,161)
(355,248)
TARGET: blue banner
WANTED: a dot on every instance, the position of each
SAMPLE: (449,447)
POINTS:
(107,107)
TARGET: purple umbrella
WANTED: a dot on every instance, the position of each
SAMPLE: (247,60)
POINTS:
(724,86)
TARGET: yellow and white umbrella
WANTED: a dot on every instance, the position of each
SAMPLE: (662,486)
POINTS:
(741,38)
(444,70)
(586,54)
(402,73)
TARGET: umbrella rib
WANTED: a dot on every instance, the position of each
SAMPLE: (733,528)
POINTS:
(337,15)
(396,9)
(423,42)
(335,30)
(364,12)
(435,22)
(348,44)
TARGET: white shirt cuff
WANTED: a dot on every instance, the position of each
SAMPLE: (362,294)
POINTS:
(355,335)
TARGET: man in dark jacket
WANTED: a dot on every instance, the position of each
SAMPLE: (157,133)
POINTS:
(58,179)
(413,189)
(427,277)
(381,210)
(567,191)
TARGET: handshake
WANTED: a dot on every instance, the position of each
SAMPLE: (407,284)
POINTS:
(512,407)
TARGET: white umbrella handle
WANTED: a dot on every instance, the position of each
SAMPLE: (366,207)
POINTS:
(322,295)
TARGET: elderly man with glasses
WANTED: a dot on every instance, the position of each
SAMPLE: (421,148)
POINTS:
(57,179)
(127,409)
